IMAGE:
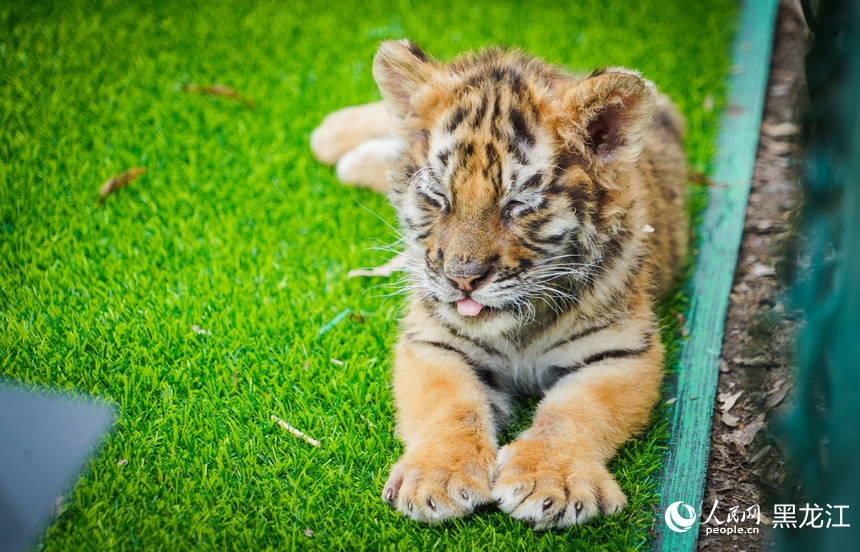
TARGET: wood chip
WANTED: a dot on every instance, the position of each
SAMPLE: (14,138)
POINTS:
(219,90)
(760,454)
(729,420)
(672,400)
(300,434)
(778,147)
(396,264)
(721,449)
(760,227)
(780,90)
(745,435)
(119,181)
(754,362)
(759,270)
(728,401)
(724,366)
(777,395)
(780,130)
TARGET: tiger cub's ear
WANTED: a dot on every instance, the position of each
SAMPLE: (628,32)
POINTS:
(607,116)
(400,69)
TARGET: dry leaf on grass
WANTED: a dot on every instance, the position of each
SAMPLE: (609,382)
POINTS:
(699,179)
(219,90)
(57,507)
(119,181)
(682,324)
(300,434)
(392,266)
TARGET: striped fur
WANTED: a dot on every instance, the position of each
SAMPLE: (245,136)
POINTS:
(555,205)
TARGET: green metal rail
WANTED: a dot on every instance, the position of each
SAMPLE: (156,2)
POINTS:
(686,462)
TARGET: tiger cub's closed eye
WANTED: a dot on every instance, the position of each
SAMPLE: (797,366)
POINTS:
(435,199)
(520,207)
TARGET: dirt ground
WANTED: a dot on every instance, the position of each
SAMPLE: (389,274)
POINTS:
(746,464)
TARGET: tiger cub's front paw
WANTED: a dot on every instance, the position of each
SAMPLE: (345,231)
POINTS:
(548,487)
(433,487)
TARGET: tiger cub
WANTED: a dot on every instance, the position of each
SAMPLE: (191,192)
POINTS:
(544,213)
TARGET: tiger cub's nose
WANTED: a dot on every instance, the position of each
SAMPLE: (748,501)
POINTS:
(468,276)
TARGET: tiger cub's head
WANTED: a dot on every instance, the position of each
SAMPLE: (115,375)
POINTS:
(511,182)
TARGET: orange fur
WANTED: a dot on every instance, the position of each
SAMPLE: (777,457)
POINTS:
(544,213)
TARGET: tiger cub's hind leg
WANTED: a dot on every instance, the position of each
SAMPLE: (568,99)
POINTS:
(346,128)
(359,141)
(367,165)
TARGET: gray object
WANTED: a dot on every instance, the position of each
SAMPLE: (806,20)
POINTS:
(45,441)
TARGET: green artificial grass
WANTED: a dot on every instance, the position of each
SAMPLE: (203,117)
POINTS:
(236,229)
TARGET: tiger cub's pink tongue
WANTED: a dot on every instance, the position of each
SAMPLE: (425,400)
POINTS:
(469,307)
